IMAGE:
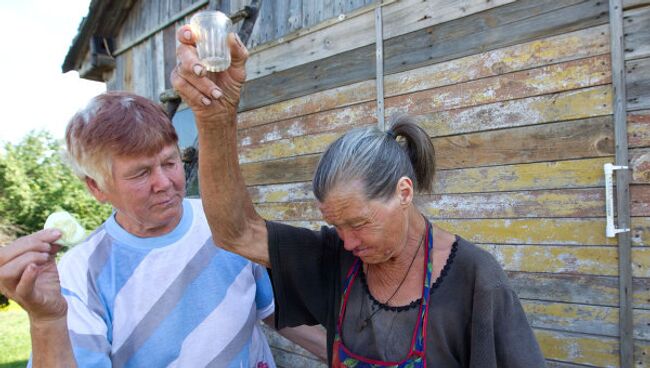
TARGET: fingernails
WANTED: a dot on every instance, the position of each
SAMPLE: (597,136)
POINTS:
(198,69)
(216,93)
(55,232)
(188,35)
(206,101)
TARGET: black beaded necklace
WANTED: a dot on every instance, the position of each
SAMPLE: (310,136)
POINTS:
(376,309)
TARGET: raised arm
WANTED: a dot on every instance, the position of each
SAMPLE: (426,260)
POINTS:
(28,275)
(214,97)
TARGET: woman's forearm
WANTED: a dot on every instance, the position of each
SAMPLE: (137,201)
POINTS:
(51,346)
(233,220)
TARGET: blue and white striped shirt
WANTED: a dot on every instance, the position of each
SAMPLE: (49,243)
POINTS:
(170,301)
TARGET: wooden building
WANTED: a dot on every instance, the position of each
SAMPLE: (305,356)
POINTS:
(525,101)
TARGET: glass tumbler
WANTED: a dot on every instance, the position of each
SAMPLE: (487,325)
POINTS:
(211,30)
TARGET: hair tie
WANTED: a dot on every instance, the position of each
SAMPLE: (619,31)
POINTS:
(391,133)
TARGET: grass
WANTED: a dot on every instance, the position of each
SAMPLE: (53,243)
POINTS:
(15,344)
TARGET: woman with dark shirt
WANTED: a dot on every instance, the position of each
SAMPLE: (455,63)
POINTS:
(391,288)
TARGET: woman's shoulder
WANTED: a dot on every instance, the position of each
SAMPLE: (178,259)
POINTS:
(481,266)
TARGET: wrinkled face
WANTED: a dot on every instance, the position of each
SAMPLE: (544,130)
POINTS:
(373,230)
(147,192)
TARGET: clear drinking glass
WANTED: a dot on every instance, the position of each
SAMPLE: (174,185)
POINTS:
(211,29)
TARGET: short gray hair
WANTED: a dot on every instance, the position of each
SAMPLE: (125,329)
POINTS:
(378,159)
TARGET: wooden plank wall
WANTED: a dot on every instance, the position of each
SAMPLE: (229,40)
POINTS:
(636,27)
(518,102)
(517,98)
(145,67)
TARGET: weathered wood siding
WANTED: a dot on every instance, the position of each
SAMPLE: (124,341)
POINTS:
(636,23)
(517,99)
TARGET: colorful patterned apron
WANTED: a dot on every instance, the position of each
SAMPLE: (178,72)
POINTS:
(344,358)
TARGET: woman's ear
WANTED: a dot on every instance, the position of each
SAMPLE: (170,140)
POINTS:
(405,191)
(96,190)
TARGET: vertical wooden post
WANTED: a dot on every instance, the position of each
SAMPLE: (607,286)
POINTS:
(622,185)
(379,54)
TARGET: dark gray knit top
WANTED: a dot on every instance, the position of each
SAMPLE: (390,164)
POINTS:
(475,318)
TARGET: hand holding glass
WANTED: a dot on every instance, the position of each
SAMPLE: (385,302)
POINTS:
(211,31)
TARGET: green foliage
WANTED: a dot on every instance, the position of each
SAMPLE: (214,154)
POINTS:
(35,181)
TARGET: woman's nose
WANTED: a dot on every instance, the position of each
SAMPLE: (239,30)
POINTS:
(160,180)
(350,240)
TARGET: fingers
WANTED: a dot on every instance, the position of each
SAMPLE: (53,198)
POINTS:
(185,35)
(188,78)
(238,51)
(27,281)
(194,90)
(37,242)
(12,270)
(202,90)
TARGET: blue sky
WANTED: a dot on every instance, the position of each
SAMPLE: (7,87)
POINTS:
(36,35)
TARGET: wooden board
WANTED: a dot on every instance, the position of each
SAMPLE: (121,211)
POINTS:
(536,176)
(508,177)
(640,200)
(577,289)
(278,19)
(638,127)
(638,84)
(523,204)
(583,260)
(636,28)
(399,18)
(571,46)
(284,148)
(570,105)
(548,79)
(322,122)
(541,231)
(169,51)
(532,176)
(640,165)
(590,350)
(288,170)
(556,364)
(587,319)
(538,203)
(575,104)
(549,142)
(628,4)
(495,28)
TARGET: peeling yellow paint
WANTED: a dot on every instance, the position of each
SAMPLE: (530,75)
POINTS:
(546,175)
(579,44)
(573,317)
(547,258)
(531,231)
(287,147)
(583,103)
(552,203)
(548,79)
(641,262)
(597,351)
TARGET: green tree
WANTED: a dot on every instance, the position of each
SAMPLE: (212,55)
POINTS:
(35,181)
